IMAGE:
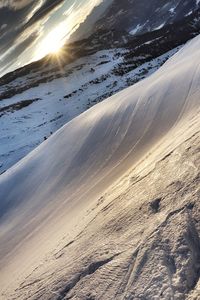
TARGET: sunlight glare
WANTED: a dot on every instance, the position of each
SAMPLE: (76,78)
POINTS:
(53,42)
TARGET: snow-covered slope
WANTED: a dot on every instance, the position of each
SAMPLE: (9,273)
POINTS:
(34,106)
(107,207)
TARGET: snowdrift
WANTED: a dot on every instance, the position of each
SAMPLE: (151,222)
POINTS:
(46,195)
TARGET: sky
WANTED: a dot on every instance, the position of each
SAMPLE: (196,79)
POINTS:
(30,29)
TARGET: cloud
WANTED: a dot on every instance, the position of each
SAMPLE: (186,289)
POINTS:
(15,4)
(46,8)
(16,51)
(3,26)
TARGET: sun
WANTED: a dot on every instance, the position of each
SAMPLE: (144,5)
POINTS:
(53,42)
(54,48)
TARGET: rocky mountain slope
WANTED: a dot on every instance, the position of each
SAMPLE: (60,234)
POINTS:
(136,16)
(107,207)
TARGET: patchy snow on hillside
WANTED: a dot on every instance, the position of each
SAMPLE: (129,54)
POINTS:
(136,29)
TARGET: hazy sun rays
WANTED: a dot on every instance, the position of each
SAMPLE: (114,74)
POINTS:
(53,42)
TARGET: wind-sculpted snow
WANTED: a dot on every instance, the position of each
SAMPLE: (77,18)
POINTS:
(59,197)
(41,102)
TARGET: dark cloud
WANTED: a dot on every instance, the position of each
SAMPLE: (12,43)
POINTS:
(16,23)
(45,9)
(21,47)
(15,4)
(3,26)
(11,58)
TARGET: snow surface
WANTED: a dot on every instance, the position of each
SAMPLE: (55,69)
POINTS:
(136,29)
(80,215)
(22,130)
